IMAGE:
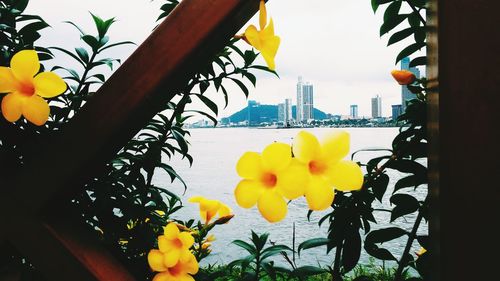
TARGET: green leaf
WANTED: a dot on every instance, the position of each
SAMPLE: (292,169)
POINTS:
(274,250)
(82,54)
(210,104)
(76,26)
(69,54)
(91,41)
(407,166)
(20,5)
(400,35)
(375,5)
(241,85)
(313,243)
(351,250)
(405,204)
(379,253)
(414,20)
(392,11)
(418,61)
(116,44)
(250,248)
(406,52)
(380,186)
(307,270)
(392,23)
(409,181)
(101,25)
(384,235)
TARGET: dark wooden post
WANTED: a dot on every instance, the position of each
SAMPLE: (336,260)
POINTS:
(187,39)
(464,46)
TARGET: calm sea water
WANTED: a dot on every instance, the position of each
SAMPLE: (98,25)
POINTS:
(213,175)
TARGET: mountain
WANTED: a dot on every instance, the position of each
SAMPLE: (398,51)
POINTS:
(269,113)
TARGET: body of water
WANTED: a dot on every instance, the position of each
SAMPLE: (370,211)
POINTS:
(213,175)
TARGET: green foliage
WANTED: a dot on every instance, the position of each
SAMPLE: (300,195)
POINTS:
(256,265)
(393,17)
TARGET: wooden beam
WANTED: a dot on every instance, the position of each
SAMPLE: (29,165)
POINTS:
(468,143)
(64,249)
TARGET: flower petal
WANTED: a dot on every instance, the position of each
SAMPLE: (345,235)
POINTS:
(25,65)
(335,145)
(277,156)
(171,231)
(186,239)
(269,50)
(196,199)
(163,276)
(306,147)
(8,82)
(319,193)
(272,206)
(12,106)
(346,176)
(252,36)
(224,210)
(249,166)
(191,266)
(165,244)
(247,193)
(49,85)
(155,260)
(184,278)
(36,110)
(262,14)
(292,182)
(172,257)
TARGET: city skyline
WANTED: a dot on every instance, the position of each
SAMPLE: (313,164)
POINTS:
(343,72)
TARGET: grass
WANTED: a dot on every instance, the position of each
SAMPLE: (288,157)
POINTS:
(372,271)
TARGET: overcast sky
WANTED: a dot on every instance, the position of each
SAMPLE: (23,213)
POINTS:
(334,44)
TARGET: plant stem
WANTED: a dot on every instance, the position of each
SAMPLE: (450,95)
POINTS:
(416,12)
(336,266)
(85,72)
(411,238)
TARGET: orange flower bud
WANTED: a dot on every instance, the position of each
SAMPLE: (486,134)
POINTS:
(403,77)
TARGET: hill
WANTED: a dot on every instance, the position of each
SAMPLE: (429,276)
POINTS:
(269,113)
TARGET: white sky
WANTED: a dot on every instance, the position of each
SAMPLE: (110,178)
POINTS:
(332,43)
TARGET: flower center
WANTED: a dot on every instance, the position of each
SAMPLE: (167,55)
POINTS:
(177,243)
(317,167)
(176,269)
(27,89)
(269,180)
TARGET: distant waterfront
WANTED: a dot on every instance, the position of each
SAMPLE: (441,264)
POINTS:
(213,175)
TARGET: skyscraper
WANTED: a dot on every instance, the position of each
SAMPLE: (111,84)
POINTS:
(253,113)
(299,100)
(397,110)
(285,112)
(288,111)
(406,94)
(377,107)
(308,107)
(354,111)
(305,101)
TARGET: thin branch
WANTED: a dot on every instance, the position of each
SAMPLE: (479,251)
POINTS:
(416,12)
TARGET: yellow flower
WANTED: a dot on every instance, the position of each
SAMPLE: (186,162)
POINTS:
(210,238)
(174,244)
(264,39)
(180,271)
(26,91)
(326,167)
(267,178)
(210,208)
(421,252)
(403,77)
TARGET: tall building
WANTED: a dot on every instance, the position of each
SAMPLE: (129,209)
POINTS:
(354,111)
(377,107)
(253,113)
(285,112)
(305,101)
(308,107)
(300,100)
(406,94)
(288,111)
(397,110)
